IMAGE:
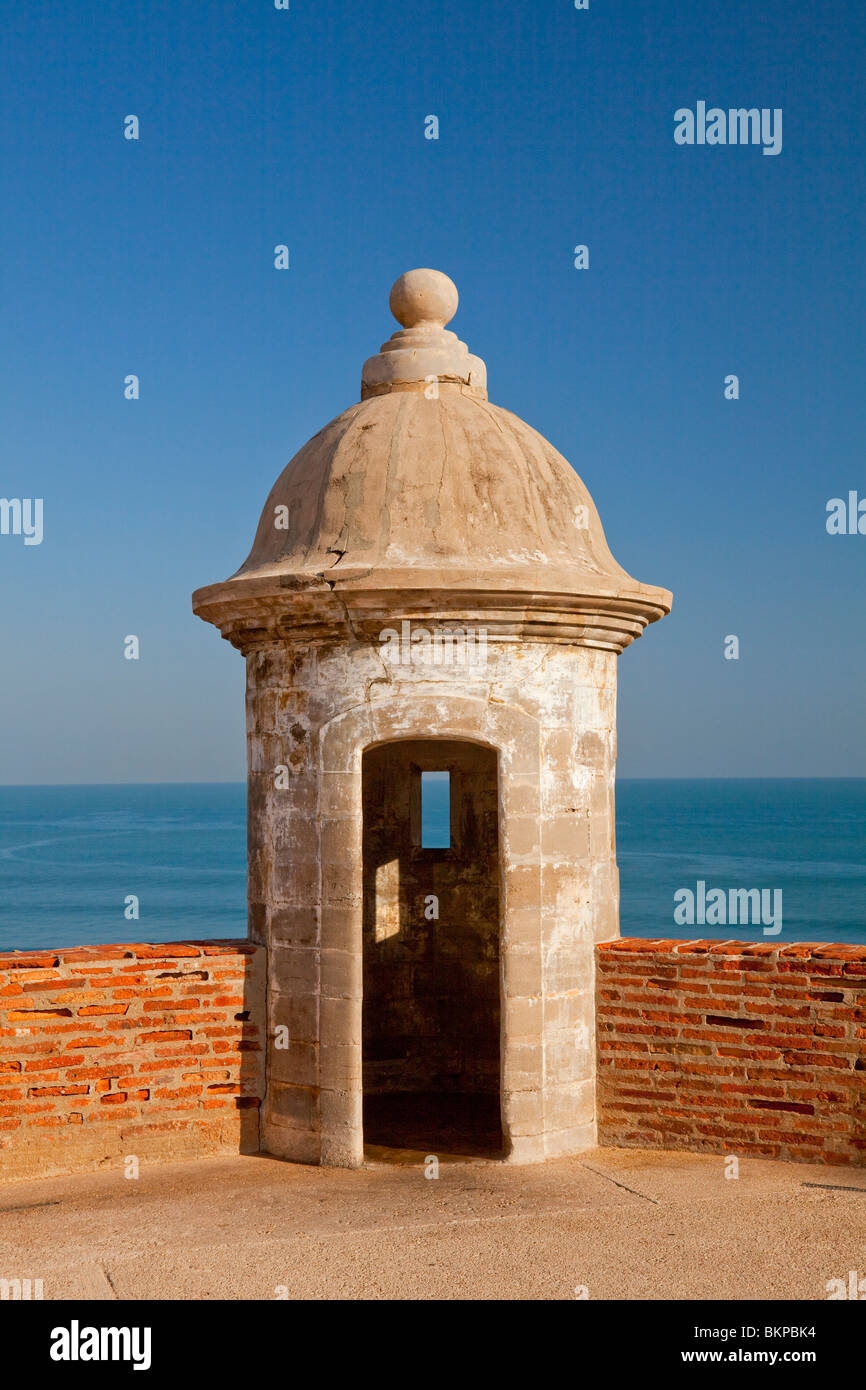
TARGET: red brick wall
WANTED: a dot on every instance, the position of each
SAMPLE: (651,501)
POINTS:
(158,1051)
(731,1047)
(111,1051)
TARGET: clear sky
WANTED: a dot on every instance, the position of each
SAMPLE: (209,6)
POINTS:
(306,127)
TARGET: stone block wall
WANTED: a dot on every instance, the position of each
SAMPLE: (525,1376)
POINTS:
(155,1051)
(731,1047)
(547,712)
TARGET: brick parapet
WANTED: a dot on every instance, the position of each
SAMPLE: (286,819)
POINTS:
(147,1050)
(733,1047)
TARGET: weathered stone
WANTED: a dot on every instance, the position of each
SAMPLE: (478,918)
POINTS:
(430,589)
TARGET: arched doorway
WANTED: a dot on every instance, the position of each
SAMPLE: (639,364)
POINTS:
(431,1017)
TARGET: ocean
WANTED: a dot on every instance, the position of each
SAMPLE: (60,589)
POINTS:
(71,858)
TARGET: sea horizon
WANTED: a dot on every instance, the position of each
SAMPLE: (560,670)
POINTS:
(79,860)
(241,782)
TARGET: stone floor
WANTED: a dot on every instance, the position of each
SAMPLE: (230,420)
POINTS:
(622,1223)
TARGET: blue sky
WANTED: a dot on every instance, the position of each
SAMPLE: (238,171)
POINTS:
(306,127)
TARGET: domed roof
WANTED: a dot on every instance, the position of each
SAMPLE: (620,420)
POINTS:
(425,488)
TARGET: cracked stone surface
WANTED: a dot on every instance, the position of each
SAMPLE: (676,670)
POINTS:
(427,487)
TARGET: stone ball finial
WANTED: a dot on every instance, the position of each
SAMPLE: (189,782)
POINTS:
(422,297)
(423,350)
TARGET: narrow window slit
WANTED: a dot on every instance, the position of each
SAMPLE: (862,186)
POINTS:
(435,810)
